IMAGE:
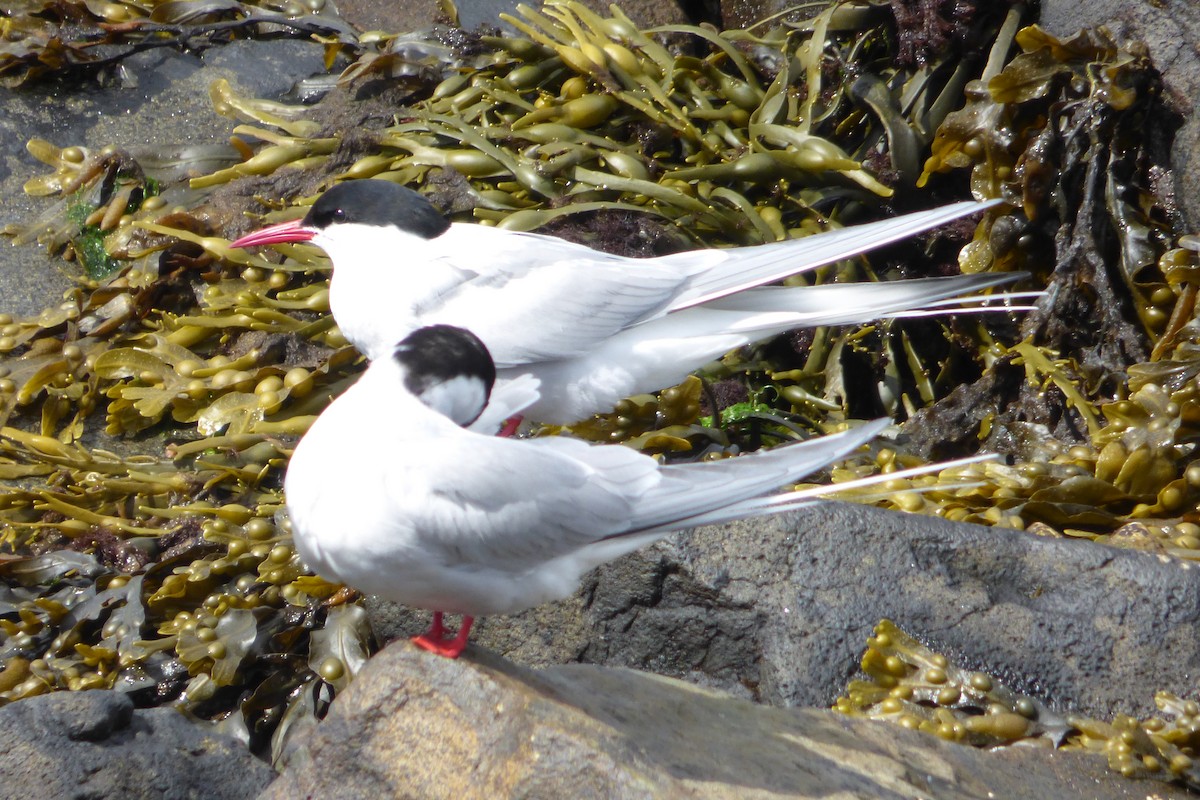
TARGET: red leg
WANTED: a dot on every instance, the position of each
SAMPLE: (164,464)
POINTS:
(435,641)
(510,426)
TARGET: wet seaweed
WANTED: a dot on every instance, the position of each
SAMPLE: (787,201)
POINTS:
(69,39)
(910,685)
(171,575)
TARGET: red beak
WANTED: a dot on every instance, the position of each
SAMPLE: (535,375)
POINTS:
(292,231)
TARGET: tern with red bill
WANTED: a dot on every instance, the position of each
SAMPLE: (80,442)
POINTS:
(590,327)
(389,495)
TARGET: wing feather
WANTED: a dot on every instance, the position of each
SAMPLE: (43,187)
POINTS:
(555,496)
(747,267)
(573,297)
(506,504)
(852,303)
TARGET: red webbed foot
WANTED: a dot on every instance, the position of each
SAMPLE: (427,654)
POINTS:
(436,641)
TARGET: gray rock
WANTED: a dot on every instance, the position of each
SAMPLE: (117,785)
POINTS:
(780,609)
(94,745)
(414,725)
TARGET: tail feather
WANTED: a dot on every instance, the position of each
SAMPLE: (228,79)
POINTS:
(764,505)
(790,501)
(688,488)
(692,494)
(853,303)
(754,266)
(666,349)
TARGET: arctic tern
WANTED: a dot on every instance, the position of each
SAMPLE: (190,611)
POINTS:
(590,327)
(389,495)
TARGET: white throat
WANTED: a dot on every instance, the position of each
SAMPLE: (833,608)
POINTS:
(382,278)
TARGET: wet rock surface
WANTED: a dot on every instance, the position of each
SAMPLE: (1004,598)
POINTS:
(414,725)
(95,745)
(169,106)
(779,609)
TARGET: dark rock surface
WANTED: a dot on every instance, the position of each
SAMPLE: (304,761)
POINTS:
(745,13)
(415,725)
(95,746)
(780,610)
(1170,31)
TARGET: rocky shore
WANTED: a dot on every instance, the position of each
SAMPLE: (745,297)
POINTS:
(761,627)
(701,667)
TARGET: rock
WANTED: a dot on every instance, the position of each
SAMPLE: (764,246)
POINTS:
(393,17)
(779,610)
(94,745)
(744,13)
(1169,30)
(650,13)
(415,725)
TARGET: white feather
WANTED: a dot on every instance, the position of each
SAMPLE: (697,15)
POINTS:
(593,328)
(663,351)
(392,498)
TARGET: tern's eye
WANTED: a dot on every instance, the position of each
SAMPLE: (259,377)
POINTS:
(338,215)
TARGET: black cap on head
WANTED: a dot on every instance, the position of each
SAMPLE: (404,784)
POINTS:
(440,353)
(381,203)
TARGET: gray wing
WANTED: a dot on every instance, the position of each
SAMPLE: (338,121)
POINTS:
(560,300)
(518,503)
(510,504)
